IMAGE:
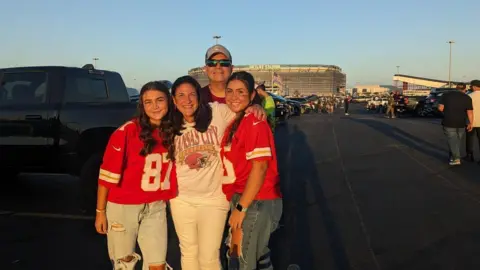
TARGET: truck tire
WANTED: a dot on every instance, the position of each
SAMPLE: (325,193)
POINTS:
(89,181)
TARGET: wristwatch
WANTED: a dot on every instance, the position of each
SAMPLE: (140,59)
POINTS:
(240,208)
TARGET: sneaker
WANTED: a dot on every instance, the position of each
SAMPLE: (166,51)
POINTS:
(455,162)
(347,114)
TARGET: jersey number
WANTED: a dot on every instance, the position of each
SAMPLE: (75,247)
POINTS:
(149,184)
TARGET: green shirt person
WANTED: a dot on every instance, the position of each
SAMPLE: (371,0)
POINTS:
(268,105)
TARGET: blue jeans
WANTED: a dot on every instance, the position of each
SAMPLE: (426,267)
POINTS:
(454,137)
(261,220)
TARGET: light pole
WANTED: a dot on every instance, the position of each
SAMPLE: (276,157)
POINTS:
(95,61)
(450,64)
(217,38)
(398,69)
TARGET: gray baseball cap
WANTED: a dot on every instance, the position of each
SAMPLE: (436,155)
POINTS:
(217,49)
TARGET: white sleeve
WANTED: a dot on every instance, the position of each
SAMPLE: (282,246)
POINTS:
(223,110)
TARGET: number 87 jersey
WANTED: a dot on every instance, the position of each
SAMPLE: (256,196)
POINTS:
(131,177)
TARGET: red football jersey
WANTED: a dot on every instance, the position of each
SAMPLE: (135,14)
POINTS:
(253,140)
(132,178)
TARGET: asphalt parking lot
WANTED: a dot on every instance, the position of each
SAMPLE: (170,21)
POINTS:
(360,192)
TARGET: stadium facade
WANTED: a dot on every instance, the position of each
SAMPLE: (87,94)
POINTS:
(301,80)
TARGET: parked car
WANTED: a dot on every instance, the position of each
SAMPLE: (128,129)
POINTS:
(296,107)
(375,103)
(59,119)
(431,101)
(308,105)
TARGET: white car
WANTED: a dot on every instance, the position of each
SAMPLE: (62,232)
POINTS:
(375,102)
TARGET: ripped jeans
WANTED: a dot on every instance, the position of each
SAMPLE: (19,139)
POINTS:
(261,220)
(145,223)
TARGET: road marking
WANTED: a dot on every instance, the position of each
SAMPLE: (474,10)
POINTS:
(46,215)
(355,202)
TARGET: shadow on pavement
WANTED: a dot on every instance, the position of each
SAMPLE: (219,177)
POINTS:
(468,170)
(404,138)
(298,173)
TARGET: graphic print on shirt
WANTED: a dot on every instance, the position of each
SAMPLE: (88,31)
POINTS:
(195,149)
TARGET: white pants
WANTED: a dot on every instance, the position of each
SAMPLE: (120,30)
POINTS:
(145,223)
(199,225)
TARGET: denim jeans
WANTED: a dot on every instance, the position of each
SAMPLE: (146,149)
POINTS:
(471,139)
(261,220)
(132,223)
(454,137)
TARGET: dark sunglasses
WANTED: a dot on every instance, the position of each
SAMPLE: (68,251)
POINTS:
(223,63)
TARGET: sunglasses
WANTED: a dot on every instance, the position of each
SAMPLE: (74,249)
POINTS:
(223,63)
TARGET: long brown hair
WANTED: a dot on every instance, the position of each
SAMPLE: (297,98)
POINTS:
(165,129)
(203,114)
(249,82)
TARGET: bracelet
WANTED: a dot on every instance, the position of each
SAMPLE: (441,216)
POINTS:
(100,210)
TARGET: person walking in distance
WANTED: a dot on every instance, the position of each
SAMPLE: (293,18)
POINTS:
(390,106)
(346,104)
(456,106)
(218,67)
(475,132)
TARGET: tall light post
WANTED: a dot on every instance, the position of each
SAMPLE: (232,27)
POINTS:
(450,64)
(398,69)
(95,61)
(217,38)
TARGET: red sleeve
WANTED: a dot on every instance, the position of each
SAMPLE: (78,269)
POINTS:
(114,158)
(259,140)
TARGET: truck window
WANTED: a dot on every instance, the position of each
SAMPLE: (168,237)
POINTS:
(117,91)
(86,89)
(23,88)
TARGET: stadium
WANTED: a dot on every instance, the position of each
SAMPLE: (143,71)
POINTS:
(291,80)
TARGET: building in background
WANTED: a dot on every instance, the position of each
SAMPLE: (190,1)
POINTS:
(291,79)
(415,83)
(375,89)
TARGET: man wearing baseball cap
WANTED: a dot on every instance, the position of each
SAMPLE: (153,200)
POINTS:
(475,132)
(218,67)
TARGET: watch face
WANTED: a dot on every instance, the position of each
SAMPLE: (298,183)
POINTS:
(239,207)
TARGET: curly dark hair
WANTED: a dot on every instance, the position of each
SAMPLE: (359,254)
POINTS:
(249,82)
(165,129)
(203,114)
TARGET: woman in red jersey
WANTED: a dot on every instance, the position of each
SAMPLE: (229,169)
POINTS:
(249,155)
(136,179)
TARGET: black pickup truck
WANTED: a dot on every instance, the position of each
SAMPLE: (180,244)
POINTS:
(58,119)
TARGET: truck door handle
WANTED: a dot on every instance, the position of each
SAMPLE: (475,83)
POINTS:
(33,117)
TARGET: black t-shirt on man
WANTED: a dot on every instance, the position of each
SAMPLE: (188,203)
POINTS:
(455,109)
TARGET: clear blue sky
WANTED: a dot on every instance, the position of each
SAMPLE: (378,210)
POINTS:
(153,39)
